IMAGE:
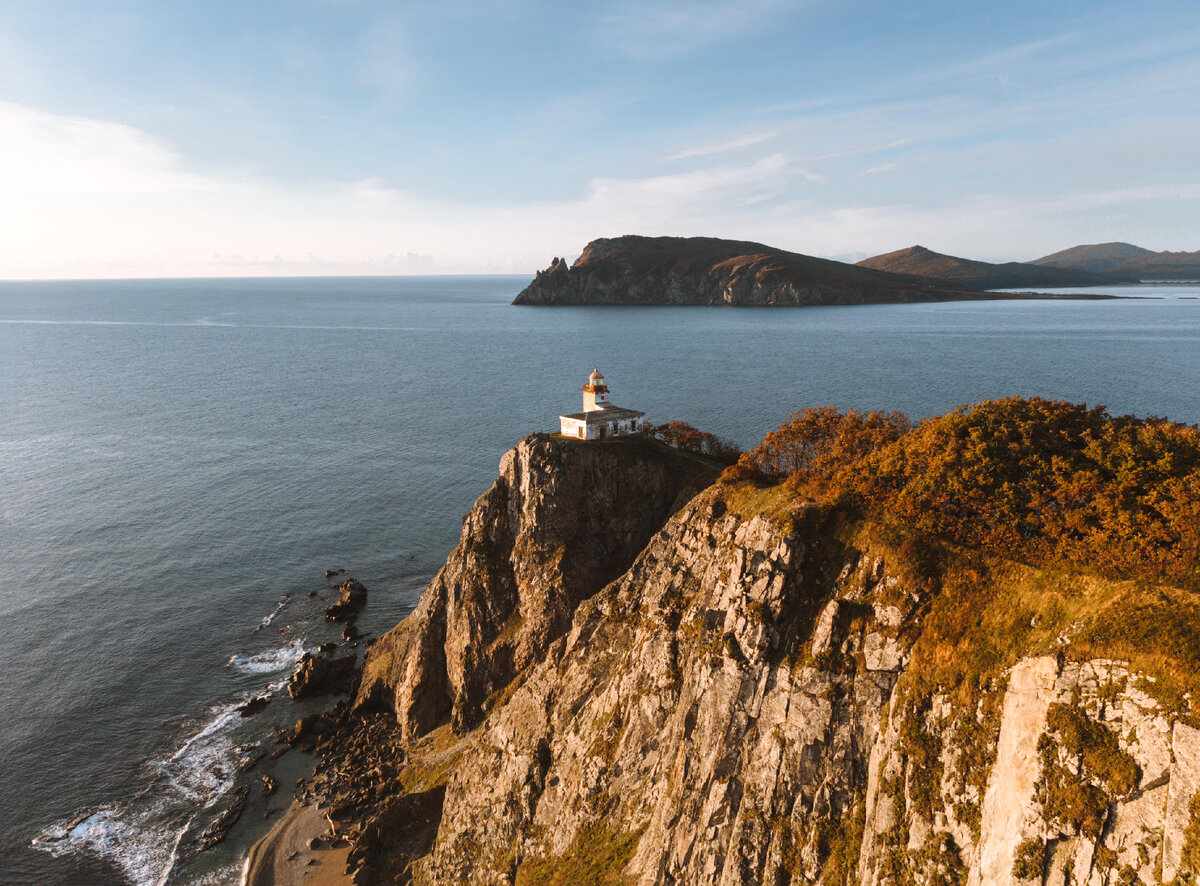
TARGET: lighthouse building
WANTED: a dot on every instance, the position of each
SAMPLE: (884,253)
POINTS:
(600,419)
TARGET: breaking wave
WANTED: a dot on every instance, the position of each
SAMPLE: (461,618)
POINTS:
(145,837)
(270,662)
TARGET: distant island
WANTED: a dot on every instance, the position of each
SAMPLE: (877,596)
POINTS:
(985,275)
(635,270)
(1126,259)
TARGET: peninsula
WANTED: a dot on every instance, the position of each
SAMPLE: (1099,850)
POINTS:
(634,270)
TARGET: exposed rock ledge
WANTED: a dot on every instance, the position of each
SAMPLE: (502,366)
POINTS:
(614,678)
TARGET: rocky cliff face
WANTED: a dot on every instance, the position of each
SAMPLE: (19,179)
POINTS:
(560,522)
(707,271)
(614,679)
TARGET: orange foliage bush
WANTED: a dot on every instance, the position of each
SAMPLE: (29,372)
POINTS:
(822,446)
(1031,478)
(683,436)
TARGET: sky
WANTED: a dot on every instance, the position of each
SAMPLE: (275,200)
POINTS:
(166,138)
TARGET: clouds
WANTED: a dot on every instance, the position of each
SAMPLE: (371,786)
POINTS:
(91,198)
(43,156)
(465,137)
(748,140)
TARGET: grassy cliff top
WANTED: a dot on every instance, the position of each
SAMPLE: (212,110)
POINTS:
(1036,527)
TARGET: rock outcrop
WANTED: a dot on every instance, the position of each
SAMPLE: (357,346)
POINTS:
(615,678)
(321,675)
(352,597)
(635,270)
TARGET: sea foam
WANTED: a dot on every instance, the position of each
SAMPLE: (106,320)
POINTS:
(143,837)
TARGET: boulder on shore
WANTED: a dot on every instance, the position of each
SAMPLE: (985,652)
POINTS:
(319,676)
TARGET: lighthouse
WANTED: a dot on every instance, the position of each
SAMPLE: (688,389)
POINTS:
(600,419)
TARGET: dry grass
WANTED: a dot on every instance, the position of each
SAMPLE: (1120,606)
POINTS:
(431,760)
(777,504)
(597,857)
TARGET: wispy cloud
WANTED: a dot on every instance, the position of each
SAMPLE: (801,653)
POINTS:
(880,169)
(44,154)
(664,197)
(724,147)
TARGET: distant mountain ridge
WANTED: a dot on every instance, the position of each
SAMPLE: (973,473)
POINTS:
(1126,259)
(636,270)
(918,260)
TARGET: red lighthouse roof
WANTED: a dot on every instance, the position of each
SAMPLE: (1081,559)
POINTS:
(595,375)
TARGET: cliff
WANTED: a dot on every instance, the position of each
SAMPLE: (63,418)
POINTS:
(707,271)
(924,262)
(618,679)
(560,523)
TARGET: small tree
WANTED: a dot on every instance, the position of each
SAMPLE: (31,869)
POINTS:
(684,437)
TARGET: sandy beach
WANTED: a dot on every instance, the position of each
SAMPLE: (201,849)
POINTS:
(283,856)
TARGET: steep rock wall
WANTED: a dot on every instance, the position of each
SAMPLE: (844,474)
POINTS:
(560,522)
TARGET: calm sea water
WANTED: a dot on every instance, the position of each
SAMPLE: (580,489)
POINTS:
(176,457)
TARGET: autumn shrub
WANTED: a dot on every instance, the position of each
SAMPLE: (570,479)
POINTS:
(1037,480)
(1047,480)
(823,446)
(683,436)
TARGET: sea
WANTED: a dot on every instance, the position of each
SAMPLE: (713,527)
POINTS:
(181,461)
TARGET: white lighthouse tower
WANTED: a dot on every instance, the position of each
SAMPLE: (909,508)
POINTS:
(600,419)
(595,392)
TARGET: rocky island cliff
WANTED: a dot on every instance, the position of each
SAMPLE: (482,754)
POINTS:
(629,673)
(634,270)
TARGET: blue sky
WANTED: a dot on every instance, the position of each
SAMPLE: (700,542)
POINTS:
(349,136)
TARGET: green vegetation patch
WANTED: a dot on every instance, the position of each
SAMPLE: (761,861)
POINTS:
(1191,838)
(1097,747)
(841,844)
(1029,861)
(431,760)
(597,857)
(1079,801)
(938,863)
(923,750)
